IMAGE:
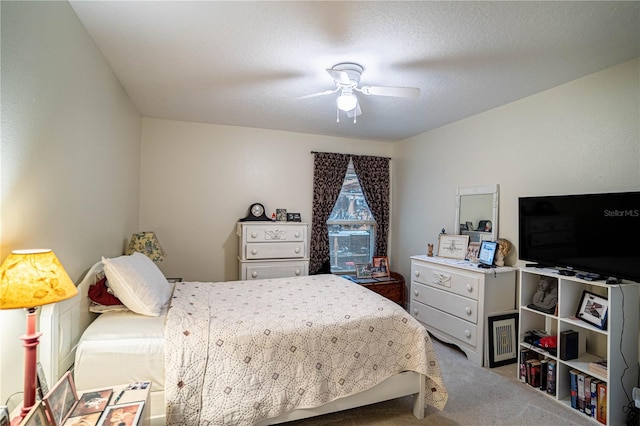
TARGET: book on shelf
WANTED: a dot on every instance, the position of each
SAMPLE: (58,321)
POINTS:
(544,365)
(587,394)
(551,377)
(594,396)
(598,367)
(535,373)
(580,400)
(573,377)
(601,407)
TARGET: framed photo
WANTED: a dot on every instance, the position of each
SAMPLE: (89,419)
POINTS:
(41,385)
(380,267)
(127,414)
(281,215)
(473,251)
(84,420)
(363,270)
(503,339)
(37,416)
(61,400)
(293,217)
(92,402)
(593,309)
(453,246)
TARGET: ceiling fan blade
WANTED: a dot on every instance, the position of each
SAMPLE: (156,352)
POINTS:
(339,76)
(357,111)
(313,95)
(400,92)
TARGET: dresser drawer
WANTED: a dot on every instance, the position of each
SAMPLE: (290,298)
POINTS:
(461,307)
(449,280)
(456,328)
(274,251)
(272,233)
(264,270)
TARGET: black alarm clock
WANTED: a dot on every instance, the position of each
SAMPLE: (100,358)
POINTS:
(256,213)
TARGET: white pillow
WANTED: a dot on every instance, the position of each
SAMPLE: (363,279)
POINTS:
(138,283)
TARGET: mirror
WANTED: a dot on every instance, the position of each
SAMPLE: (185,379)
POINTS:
(477,212)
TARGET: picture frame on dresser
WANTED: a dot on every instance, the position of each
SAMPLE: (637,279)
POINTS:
(363,270)
(37,416)
(503,339)
(453,246)
(380,267)
(593,309)
(61,399)
(128,413)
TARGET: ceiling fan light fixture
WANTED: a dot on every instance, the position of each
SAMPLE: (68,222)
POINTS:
(347,101)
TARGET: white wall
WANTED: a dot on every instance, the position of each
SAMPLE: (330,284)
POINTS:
(197,180)
(580,137)
(69,157)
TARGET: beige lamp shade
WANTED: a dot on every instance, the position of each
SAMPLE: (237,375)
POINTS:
(30,278)
(147,244)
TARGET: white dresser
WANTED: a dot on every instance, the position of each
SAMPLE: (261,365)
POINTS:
(454,298)
(272,249)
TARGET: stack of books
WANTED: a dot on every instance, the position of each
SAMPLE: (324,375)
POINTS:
(599,367)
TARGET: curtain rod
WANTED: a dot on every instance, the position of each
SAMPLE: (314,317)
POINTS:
(319,152)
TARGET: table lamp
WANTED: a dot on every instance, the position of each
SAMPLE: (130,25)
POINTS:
(147,244)
(28,279)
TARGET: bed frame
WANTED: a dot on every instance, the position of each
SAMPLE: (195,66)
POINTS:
(62,325)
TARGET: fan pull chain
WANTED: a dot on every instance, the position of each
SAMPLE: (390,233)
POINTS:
(337,115)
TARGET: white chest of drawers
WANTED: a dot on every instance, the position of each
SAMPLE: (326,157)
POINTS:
(454,298)
(272,249)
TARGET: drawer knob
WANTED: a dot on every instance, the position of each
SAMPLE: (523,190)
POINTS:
(469,288)
(467,333)
(467,310)
(415,311)
(254,274)
(415,292)
(417,274)
(296,234)
(254,235)
(297,250)
(298,271)
(254,251)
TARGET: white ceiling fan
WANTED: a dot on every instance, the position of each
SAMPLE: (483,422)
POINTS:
(346,76)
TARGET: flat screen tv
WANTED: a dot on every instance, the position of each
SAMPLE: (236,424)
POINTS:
(592,233)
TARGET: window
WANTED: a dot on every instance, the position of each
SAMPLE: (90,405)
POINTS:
(351,227)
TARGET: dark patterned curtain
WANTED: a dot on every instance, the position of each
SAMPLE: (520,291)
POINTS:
(329,170)
(373,173)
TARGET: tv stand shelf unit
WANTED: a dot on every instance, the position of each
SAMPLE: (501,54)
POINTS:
(618,347)
(453,299)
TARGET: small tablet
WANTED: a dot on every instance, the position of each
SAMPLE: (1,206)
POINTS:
(487,253)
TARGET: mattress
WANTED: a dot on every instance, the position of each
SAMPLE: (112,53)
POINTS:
(121,347)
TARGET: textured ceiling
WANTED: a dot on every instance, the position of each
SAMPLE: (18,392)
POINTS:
(244,63)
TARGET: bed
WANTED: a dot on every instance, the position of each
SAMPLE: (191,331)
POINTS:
(265,351)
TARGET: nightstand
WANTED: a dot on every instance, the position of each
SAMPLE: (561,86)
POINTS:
(393,288)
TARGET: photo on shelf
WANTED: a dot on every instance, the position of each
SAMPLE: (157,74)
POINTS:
(593,309)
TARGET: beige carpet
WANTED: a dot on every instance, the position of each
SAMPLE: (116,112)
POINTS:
(477,396)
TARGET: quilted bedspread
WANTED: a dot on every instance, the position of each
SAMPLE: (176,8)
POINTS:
(238,352)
